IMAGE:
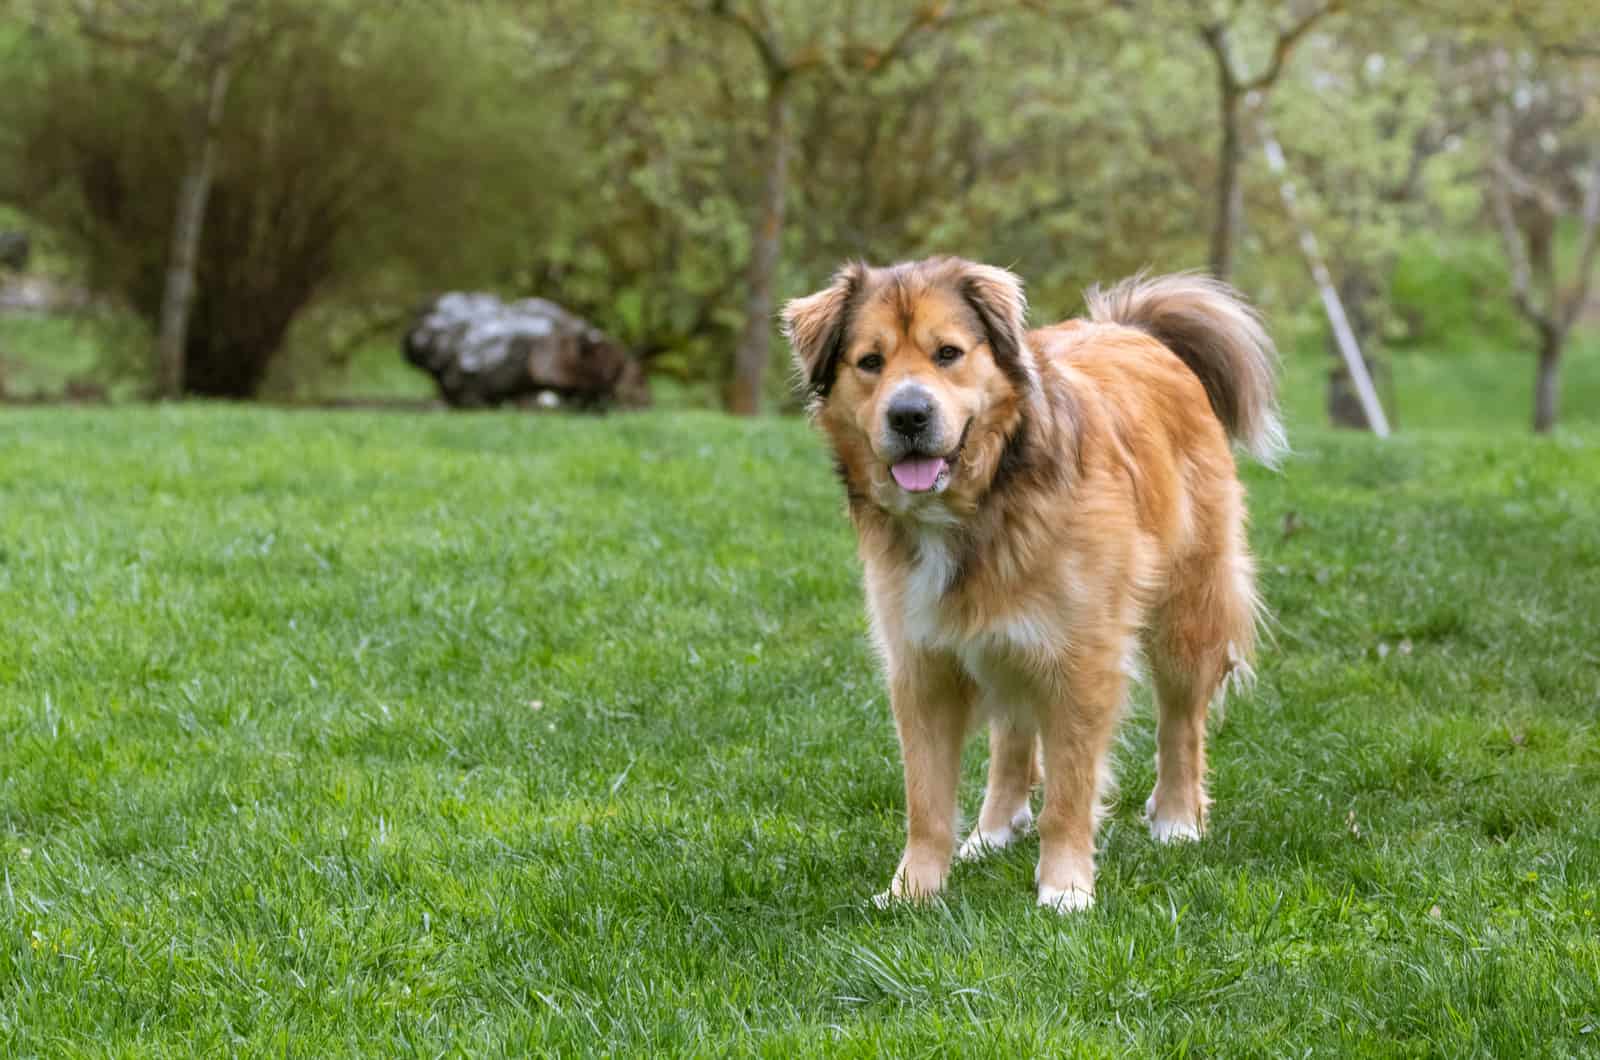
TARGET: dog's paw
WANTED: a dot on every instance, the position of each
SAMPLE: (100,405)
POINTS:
(1070,900)
(983,842)
(895,899)
(980,844)
(1170,829)
(915,882)
(1174,832)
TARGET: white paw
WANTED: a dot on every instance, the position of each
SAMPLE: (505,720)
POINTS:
(981,842)
(1174,832)
(1065,901)
(891,900)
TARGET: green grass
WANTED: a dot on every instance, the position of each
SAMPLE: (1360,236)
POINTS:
(388,734)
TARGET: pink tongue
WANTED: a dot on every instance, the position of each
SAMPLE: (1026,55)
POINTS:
(919,473)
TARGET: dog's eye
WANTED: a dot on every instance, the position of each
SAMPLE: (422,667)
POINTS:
(947,355)
(872,362)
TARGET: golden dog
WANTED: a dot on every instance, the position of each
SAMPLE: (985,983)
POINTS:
(1034,509)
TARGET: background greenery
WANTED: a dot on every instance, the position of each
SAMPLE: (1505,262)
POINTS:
(612,159)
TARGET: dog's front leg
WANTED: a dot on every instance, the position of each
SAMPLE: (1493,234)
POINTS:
(932,700)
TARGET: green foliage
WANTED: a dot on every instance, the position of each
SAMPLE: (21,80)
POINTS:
(1450,297)
(42,354)
(341,146)
(610,158)
(637,216)
(375,734)
(1051,167)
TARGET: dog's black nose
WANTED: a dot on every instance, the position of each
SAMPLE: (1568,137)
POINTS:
(910,412)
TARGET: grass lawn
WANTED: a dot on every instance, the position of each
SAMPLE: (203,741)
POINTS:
(328,733)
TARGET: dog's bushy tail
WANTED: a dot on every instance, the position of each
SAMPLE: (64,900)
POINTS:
(1219,336)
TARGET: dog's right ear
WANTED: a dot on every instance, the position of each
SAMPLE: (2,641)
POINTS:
(817,325)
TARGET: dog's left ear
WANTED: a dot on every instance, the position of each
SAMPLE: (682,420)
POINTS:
(817,326)
(996,296)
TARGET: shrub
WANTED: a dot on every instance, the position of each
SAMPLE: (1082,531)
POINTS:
(348,146)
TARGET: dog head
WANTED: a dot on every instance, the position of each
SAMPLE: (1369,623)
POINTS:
(917,373)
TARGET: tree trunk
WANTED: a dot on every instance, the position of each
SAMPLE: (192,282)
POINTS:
(1540,227)
(1230,195)
(1547,384)
(1358,293)
(751,355)
(194,190)
(1552,336)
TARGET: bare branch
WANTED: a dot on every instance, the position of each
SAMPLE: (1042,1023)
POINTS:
(1506,223)
(935,17)
(1525,187)
(1590,247)
(875,61)
(760,35)
(1215,35)
(1284,46)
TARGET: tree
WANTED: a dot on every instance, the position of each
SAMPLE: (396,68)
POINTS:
(1234,88)
(639,220)
(1544,170)
(782,65)
(347,143)
(204,39)
(1363,119)
(645,226)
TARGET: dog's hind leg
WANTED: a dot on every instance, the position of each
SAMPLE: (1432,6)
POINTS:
(1200,635)
(1176,808)
(1013,768)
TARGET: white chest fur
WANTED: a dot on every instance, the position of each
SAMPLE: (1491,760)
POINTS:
(997,655)
(930,576)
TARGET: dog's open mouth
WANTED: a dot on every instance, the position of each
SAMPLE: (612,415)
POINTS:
(919,474)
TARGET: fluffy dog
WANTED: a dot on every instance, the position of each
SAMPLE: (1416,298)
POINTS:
(1034,510)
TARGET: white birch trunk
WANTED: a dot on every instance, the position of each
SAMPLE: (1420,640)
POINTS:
(1331,304)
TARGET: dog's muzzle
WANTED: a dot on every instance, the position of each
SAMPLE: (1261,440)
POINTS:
(915,443)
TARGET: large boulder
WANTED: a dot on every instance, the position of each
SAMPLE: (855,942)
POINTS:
(484,351)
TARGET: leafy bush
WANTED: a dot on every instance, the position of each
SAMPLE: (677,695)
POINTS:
(1450,296)
(349,147)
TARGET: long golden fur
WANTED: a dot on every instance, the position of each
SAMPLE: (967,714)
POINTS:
(1035,510)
